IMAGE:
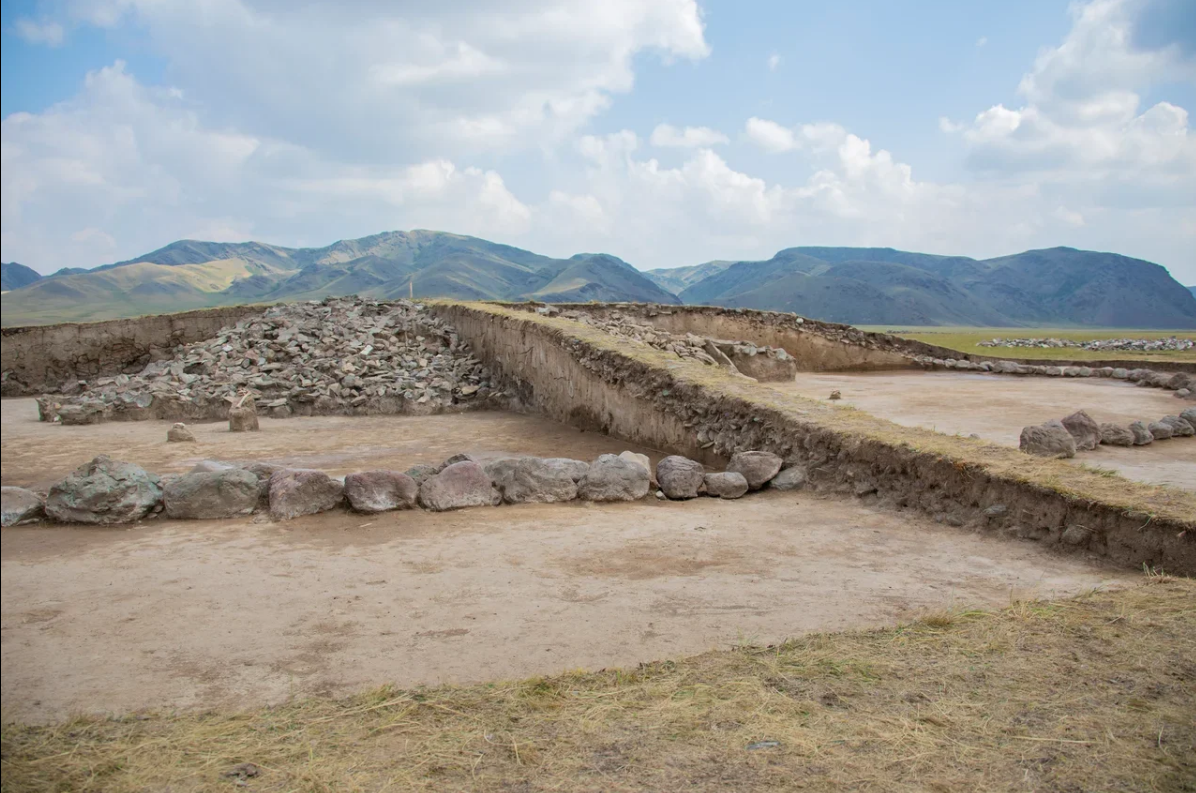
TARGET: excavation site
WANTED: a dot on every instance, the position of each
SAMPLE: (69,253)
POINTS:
(446,530)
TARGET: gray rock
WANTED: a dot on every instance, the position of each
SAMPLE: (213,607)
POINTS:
(179,433)
(242,419)
(636,457)
(1142,435)
(1185,393)
(757,467)
(680,477)
(1116,435)
(576,469)
(995,511)
(263,472)
(380,491)
(792,478)
(18,505)
(1180,428)
(104,491)
(82,414)
(211,495)
(459,485)
(1159,430)
(533,480)
(1050,439)
(1120,374)
(1084,429)
(1189,415)
(298,491)
(1177,381)
(727,484)
(1076,534)
(204,466)
(614,478)
(421,472)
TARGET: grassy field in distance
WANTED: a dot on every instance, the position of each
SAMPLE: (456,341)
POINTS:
(966,340)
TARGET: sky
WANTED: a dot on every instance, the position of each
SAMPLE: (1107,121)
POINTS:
(665,132)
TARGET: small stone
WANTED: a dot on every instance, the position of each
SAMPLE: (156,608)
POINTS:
(380,491)
(757,467)
(792,478)
(836,394)
(614,478)
(179,433)
(680,477)
(296,491)
(727,484)
(242,419)
(1142,434)
(211,495)
(18,505)
(1076,534)
(459,485)
(1050,439)
(1084,429)
(1116,435)
(456,458)
(421,472)
(995,510)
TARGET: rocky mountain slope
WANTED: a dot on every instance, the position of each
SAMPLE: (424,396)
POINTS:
(14,276)
(192,274)
(1056,286)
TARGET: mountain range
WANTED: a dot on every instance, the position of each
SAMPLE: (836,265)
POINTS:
(1052,287)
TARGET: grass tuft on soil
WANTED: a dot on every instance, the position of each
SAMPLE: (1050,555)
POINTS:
(1093,693)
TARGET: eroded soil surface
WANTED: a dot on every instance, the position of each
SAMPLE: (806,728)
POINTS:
(997,407)
(238,613)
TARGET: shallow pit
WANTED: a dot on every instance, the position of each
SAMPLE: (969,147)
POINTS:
(996,407)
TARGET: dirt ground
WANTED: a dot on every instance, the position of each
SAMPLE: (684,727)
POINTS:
(37,454)
(240,613)
(997,407)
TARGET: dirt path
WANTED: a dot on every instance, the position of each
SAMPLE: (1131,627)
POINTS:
(996,408)
(229,613)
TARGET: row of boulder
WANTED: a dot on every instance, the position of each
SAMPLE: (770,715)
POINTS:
(106,491)
(1080,432)
(339,356)
(1170,344)
(1182,383)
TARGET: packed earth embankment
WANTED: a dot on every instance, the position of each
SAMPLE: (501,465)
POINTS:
(582,375)
(40,358)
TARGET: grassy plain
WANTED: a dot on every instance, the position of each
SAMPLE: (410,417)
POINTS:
(966,340)
(1093,693)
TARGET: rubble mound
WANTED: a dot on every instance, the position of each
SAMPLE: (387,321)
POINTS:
(339,356)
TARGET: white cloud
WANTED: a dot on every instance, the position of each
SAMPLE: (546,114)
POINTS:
(949,126)
(770,136)
(980,42)
(49,33)
(668,136)
(774,61)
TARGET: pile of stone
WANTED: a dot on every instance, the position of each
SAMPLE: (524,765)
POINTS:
(1182,383)
(1099,345)
(107,491)
(1080,432)
(339,356)
(709,351)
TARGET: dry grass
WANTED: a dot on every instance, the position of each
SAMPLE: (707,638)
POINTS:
(1149,501)
(967,340)
(1095,693)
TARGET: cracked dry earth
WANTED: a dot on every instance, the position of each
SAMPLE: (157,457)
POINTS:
(238,613)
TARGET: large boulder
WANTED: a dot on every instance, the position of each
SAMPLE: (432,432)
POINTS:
(726,484)
(104,491)
(210,495)
(1160,430)
(758,468)
(1047,440)
(18,505)
(534,480)
(1180,428)
(680,477)
(179,433)
(643,460)
(614,478)
(380,491)
(242,417)
(792,478)
(1189,415)
(1116,435)
(84,413)
(459,485)
(1084,429)
(298,491)
(1142,434)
